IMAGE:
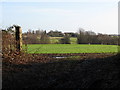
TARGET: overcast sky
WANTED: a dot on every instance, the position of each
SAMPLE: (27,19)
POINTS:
(100,16)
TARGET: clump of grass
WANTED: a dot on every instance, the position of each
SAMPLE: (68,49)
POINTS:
(74,57)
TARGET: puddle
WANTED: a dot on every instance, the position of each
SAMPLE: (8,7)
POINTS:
(59,57)
(69,57)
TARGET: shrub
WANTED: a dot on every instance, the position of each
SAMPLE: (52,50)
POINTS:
(65,40)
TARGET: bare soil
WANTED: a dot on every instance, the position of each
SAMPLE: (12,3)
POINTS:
(43,71)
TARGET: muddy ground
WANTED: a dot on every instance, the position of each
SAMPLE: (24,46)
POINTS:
(89,71)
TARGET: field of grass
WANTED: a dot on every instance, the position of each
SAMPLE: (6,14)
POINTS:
(56,40)
(71,48)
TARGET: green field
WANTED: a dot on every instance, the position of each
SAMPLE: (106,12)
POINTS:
(71,48)
(54,40)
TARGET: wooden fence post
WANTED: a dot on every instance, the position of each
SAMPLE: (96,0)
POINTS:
(18,36)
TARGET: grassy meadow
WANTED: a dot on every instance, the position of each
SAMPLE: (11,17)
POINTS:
(71,48)
(54,40)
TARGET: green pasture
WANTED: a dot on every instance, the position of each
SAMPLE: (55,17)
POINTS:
(71,48)
(54,40)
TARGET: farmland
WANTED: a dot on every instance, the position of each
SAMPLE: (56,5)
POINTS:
(54,40)
(71,48)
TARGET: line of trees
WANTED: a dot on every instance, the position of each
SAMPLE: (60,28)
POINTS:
(89,37)
(83,37)
(36,37)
